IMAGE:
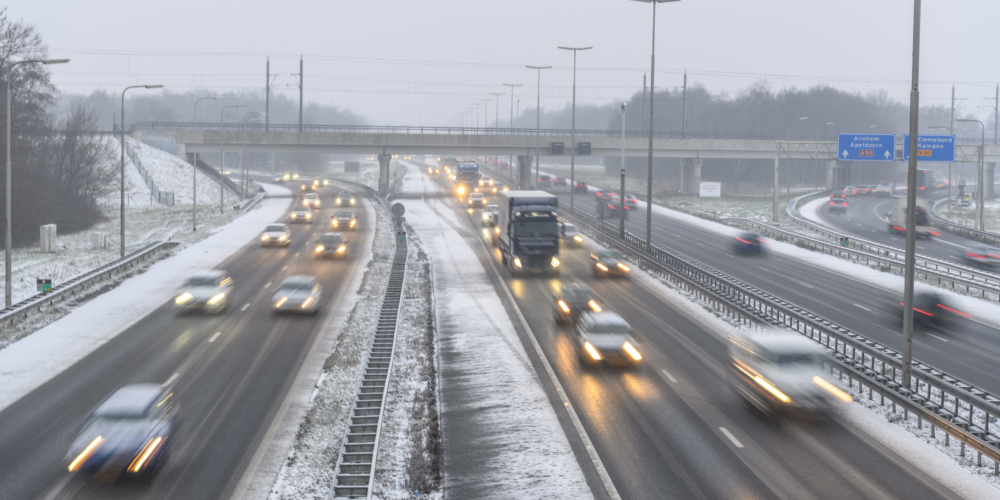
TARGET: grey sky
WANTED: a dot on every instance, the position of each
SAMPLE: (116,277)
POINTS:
(407,62)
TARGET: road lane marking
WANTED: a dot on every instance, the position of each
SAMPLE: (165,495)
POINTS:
(215,337)
(863,307)
(937,337)
(731,437)
(245,306)
(267,285)
(171,380)
(669,376)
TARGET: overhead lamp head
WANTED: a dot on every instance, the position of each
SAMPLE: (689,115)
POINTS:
(657,1)
(153,86)
(55,61)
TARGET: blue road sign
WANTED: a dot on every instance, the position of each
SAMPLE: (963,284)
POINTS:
(931,148)
(866,147)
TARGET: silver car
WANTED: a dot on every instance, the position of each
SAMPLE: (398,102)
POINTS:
(489,212)
(276,235)
(331,246)
(311,200)
(209,291)
(569,236)
(604,338)
(344,221)
(301,213)
(298,294)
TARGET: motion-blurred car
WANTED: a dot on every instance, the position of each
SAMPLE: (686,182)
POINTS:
(609,263)
(838,204)
(298,294)
(345,199)
(485,181)
(544,181)
(569,236)
(571,300)
(982,256)
(883,189)
(488,213)
(631,201)
(932,310)
(560,181)
(301,214)
(604,194)
(295,176)
(127,436)
(331,246)
(865,190)
(311,200)
(781,374)
(207,291)
(749,243)
(344,221)
(286,177)
(477,200)
(433,170)
(278,179)
(580,187)
(609,209)
(276,235)
(604,338)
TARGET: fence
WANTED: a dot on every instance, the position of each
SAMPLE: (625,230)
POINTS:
(161,197)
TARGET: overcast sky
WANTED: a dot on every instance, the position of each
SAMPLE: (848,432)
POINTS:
(406,62)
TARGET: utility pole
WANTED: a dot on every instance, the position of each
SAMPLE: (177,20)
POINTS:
(572,150)
(684,96)
(510,159)
(644,123)
(267,98)
(538,122)
(301,65)
(911,204)
(496,124)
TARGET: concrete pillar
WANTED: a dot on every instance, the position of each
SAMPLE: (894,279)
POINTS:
(524,173)
(838,174)
(988,171)
(690,174)
(383,174)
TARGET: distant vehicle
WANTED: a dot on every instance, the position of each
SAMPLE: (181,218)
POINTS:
(301,214)
(850,190)
(569,236)
(488,214)
(448,161)
(286,177)
(630,201)
(433,171)
(504,164)
(864,190)
(604,338)
(932,310)
(331,246)
(466,179)
(544,181)
(298,294)
(308,187)
(477,200)
(344,221)
(326,182)
(580,187)
(311,200)
(560,181)
(838,204)
(609,263)
(207,291)
(571,300)
(749,244)
(528,234)
(485,181)
(982,256)
(603,194)
(127,436)
(276,235)
(608,209)
(278,179)
(345,199)
(295,176)
(883,189)
(897,217)
(781,374)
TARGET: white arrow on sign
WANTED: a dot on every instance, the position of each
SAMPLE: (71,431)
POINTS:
(887,155)
(844,153)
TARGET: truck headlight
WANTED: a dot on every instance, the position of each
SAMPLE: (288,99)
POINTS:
(461,190)
(555,261)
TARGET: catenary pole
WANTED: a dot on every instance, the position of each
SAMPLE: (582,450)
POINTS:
(911,203)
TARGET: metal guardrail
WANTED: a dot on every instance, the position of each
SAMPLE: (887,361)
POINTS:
(966,232)
(935,397)
(71,287)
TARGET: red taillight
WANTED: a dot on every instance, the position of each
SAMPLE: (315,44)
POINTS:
(897,228)
(935,234)
(921,187)
(954,311)
(844,204)
(832,203)
(922,312)
(970,254)
(744,241)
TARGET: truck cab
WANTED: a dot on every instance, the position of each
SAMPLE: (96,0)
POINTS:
(528,235)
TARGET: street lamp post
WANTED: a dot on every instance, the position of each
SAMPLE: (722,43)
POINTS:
(538,119)
(911,204)
(621,209)
(652,92)
(222,154)
(980,191)
(244,176)
(572,151)
(510,159)
(122,235)
(949,168)
(7,237)
(194,185)
(496,124)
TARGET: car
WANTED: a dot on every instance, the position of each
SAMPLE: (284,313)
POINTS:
(982,256)
(504,164)
(298,294)
(488,214)
(780,373)
(569,236)
(749,244)
(580,187)
(544,181)
(866,190)
(326,182)
(295,176)
(307,187)
(207,291)
(278,179)
(477,200)
(604,194)
(286,177)
(311,200)
(433,170)
(276,235)
(608,209)
(838,204)
(560,181)
(609,263)
(605,338)
(932,310)
(631,201)
(345,199)
(331,246)
(301,214)
(128,435)
(571,300)
(485,181)
(344,221)
(883,189)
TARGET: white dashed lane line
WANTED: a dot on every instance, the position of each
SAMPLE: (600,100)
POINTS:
(214,337)
(731,437)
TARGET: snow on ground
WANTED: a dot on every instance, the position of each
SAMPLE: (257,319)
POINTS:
(173,174)
(35,359)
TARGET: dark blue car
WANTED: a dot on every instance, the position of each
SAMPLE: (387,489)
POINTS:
(749,243)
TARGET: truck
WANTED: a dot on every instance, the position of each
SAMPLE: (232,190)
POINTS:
(466,179)
(528,232)
(897,216)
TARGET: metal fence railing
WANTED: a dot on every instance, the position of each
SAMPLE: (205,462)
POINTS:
(161,197)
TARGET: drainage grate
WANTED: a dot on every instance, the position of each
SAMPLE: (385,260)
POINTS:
(355,467)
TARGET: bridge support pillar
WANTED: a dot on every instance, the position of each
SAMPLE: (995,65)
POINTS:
(690,174)
(383,174)
(989,168)
(838,174)
(524,175)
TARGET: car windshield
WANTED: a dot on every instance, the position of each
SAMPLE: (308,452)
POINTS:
(609,254)
(297,285)
(301,208)
(344,194)
(345,215)
(536,228)
(275,228)
(578,294)
(200,281)
(610,329)
(800,358)
(331,239)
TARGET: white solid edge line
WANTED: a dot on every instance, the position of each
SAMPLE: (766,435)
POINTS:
(731,437)
(591,451)
(668,375)
(171,380)
(214,337)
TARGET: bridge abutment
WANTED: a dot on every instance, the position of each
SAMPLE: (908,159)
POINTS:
(383,173)
(838,174)
(690,174)
(524,174)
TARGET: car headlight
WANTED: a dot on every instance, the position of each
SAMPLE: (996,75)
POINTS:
(517,262)
(320,248)
(307,302)
(496,230)
(578,239)
(265,238)
(342,249)
(353,222)
(555,262)
(182,298)
(294,216)
(623,267)
(309,216)
(281,302)
(602,267)
(592,350)
(336,222)
(632,351)
(470,201)
(461,190)
(338,200)
(217,298)
(352,201)
(282,238)
(486,216)
(843,396)
(772,389)
(593,306)
(564,307)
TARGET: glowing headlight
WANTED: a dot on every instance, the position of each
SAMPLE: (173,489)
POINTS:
(85,453)
(307,302)
(843,396)
(578,239)
(353,222)
(265,238)
(338,200)
(517,262)
(320,248)
(555,262)
(281,302)
(486,216)
(496,230)
(623,267)
(217,298)
(461,190)
(602,267)
(352,201)
(294,216)
(564,307)
(470,201)
(182,298)
(593,306)
(342,249)
(309,216)
(336,222)
(632,351)
(772,389)
(592,350)
(282,238)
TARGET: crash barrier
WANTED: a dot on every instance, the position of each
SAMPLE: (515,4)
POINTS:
(949,404)
(74,286)
(355,466)
(963,231)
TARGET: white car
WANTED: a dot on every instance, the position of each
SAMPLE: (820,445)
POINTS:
(605,338)
(489,213)
(301,213)
(311,200)
(209,291)
(477,200)
(276,235)
(569,236)
(298,294)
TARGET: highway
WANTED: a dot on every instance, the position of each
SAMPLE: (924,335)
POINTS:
(673,428)
(233,372)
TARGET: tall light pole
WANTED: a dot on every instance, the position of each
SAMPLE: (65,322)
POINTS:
(122,172)
(911,204)
(222,154)
(194,188)
(496,124)
(652,92)
(980,191)
(572,150)
(950,201)
(486,115)
(7,238)
(510,159)
(243,177)
(538,120)
(621,197)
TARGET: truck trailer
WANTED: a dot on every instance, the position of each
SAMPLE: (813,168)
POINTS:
(528,237)
(897,217)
